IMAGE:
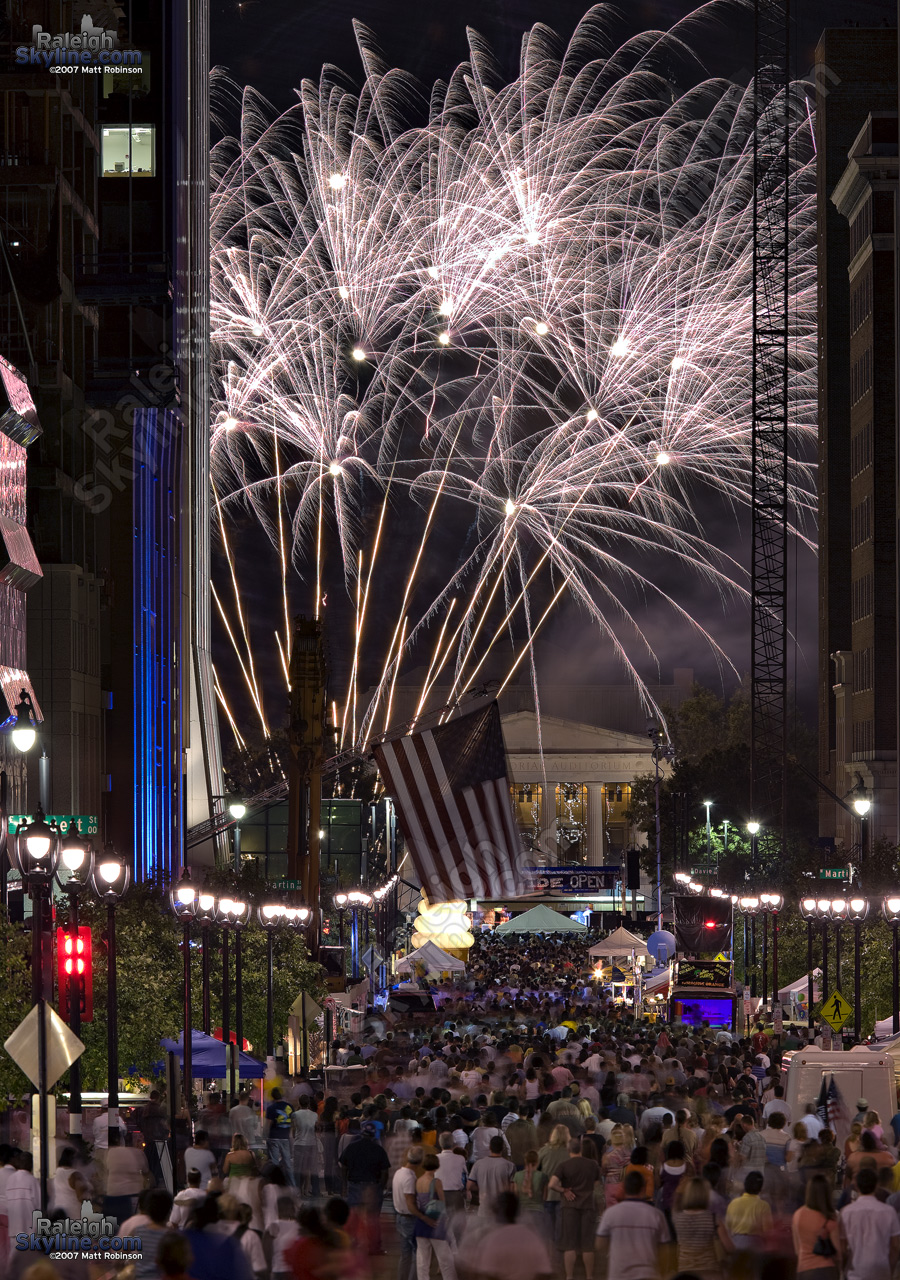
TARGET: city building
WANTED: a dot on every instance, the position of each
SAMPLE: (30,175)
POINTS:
(104,182)
(856,145)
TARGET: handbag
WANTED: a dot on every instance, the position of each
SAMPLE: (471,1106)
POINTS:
(435,1207)
(824,1247)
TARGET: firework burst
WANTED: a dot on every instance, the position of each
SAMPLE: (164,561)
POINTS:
(515,316)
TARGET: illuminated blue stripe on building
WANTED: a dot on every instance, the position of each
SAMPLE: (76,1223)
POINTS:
(157,611)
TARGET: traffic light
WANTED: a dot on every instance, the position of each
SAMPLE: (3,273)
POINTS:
(75,971)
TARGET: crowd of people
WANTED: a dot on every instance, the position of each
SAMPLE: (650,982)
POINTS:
(535,1128)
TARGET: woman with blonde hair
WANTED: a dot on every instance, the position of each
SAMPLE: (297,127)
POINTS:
(853,1141)
(612,1166)
(550,1157)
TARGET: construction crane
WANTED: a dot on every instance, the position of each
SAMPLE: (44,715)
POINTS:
(771,224)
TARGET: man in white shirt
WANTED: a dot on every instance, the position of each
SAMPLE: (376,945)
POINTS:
(777,1103)
(811,1122)
(452,1174)
(871,1232)
(403,1195)
(631,1233)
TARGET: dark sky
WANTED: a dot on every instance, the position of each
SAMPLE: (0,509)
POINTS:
(274,44)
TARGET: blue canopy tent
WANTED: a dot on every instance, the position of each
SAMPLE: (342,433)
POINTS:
(208,1058)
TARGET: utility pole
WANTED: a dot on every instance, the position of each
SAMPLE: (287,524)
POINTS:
(306,736)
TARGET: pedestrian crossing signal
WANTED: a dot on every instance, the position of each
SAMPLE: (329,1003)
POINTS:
(75,971)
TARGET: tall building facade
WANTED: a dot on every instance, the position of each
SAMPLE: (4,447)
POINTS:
(856,136)
(107,200)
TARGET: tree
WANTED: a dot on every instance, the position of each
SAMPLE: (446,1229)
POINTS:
(15,1003)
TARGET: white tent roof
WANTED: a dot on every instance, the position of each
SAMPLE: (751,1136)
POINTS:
(434,959)
(620,943)
(541,919)
(800,986)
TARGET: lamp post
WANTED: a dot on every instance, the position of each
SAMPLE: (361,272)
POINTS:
(725,825)
(77,856)
(748,907)
(231,914)
(271,914)
(707,804)
(861,805)
(857,910)
(358,900)
(298,918)
(183,898)
(891,910)
(770,905)
(753,829)
(206,918)
(36,853)
(838,914)
(237,809)
(823,914)
(808,912)
(340,901)
(110,878)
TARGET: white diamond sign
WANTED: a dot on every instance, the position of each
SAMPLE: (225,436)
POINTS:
(63,1046)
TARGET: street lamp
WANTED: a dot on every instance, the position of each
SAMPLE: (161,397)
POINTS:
(110,878)
(206,918)
(862,804)
(340,901)
(808,912)
(708,804)
(271,915)
(77,856)
(726,824)
(231,913)
(770,905)
(749,908)
(823,914)
(23,732)
(753,829)
(857,910)
(36,855)
(298,918)
(183,900)
(237,809)
(838,914)
(891,911)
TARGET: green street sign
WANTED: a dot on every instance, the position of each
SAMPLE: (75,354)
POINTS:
(834,873)
(285,884)
(81,824)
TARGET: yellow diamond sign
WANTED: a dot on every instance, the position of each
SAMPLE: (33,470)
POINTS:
(835,1010)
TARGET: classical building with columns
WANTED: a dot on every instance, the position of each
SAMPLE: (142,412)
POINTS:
(571,787)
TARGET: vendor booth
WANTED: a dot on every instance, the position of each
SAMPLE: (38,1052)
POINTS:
(702,991)
(541,919)
(430,961)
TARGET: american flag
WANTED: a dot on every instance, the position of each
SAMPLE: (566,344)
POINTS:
(452,795)
(829,1104)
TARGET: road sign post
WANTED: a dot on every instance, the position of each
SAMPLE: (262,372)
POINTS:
(834,873)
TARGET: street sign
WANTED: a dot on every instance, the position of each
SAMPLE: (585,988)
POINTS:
(82,824)
(778,1021)
(703,871)
(285,884)
(835,1011)
(63,1046)
(834,873)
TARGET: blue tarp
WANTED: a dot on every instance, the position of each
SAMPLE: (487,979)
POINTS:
(208,1059)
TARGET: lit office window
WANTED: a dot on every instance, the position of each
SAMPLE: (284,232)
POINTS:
(129,151)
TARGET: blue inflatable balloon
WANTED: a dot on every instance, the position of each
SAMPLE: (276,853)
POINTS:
(661,946)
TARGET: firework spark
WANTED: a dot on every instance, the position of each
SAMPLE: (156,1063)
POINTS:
(514,314)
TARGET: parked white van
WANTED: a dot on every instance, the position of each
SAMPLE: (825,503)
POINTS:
(856,1075)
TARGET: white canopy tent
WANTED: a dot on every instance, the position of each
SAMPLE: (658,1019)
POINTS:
(541,919)
(620,943)
(433,958)
(799,988)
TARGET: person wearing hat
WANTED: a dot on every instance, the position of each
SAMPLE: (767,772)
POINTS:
(365,1166)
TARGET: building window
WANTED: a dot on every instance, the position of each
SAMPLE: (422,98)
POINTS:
(863,674)
(129,151)
(861,451)
(861,376)
(526,800)
(863,597)
(860,228)
(863,737)
(571,822)
(861,302)
(616,807)
(861,522)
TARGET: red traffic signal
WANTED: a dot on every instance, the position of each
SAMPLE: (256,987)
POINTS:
(75,971)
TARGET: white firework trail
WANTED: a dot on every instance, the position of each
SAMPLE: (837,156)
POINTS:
(519,312)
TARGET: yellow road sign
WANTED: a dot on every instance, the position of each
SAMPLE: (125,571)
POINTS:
(835,1010)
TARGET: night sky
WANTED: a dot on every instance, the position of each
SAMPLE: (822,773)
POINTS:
(273,45)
